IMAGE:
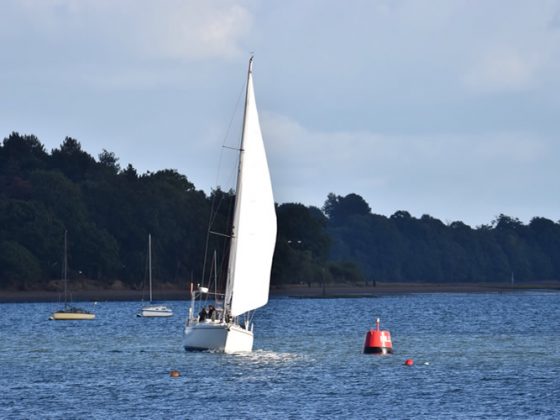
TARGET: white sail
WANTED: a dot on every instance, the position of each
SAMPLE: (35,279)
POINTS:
(254,224)
(251,250)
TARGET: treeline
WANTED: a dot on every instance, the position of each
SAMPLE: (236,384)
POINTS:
(108,212)
(406,249)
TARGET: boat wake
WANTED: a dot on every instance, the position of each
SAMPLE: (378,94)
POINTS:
(268,357)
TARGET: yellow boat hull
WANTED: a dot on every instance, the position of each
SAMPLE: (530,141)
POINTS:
(71,316)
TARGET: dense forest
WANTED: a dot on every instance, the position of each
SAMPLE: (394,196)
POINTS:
(108,212)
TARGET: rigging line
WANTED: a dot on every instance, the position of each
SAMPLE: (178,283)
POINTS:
(228,130)
(250,316)
(214,213)
(220,234)
(237,149)
(213,207)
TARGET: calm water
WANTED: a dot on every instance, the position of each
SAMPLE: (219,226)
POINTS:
(476,355)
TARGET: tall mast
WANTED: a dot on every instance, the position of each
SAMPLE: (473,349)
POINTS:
(150,263)
(65,268)
(232,249)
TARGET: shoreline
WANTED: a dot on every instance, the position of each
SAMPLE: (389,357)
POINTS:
(294,291)
(381,289)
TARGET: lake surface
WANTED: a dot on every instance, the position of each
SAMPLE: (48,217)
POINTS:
(475,356)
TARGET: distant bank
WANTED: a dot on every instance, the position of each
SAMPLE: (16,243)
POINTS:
(302,291)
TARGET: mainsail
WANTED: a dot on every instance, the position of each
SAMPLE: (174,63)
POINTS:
(254,221)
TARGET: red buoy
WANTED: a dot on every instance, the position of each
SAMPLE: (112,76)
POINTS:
(409,362)
(377,341)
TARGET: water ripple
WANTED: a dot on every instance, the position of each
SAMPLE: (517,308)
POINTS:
(476,356)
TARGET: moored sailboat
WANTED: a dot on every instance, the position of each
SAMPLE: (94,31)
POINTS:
(69,313)
(229,327)
(153,311)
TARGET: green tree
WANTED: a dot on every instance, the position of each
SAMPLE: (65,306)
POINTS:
(109,161)
(338,209)
(302,245)
(21,153)
(72,161)
(18,266)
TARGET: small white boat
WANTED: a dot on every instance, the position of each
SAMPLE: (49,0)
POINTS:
(153,311)
(156,311)
(69,313)
(251,248)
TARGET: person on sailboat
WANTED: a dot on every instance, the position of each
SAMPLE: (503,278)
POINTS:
(212,312)
(202,314)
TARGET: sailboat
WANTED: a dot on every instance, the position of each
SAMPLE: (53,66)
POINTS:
(69,313)
(153,311)
(251,247)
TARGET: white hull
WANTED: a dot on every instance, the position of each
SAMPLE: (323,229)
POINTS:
(155,312)
(217,336)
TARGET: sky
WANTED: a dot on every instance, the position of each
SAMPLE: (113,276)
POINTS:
(444,107)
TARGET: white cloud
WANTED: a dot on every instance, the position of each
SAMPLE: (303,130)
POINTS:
(192,29)
(504,70)
(124,32)
(119,45)
(419,173)
(341,154)
(515,148)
